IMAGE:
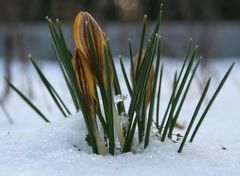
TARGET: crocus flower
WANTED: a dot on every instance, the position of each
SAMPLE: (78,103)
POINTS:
(85,80)
(83,62)
(82,43)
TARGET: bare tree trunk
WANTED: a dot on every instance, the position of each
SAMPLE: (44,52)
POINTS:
(7,115)
(8,57)
(22,57)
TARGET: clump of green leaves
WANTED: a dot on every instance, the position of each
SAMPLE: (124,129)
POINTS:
(140,114)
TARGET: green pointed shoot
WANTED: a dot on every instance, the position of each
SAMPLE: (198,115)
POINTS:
(169,104)
(27,101)
(178,94)
(183,98)
(125,76)
(159,96)
(211,102)
(204,93)
(131,61)
(65,60)
(152,101)
(138,92)
(142,119)
(117,88)
(56,98)
(175,88)
(109,114)
(143,34)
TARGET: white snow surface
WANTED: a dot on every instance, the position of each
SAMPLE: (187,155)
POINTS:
(31,147)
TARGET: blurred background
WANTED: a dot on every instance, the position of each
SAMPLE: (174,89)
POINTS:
(213,24)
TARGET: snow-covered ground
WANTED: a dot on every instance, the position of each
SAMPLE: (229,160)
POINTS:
(31,147)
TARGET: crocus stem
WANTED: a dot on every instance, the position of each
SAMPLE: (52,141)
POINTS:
(118,127)
(99,140)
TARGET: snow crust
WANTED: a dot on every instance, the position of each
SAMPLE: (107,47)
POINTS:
(32,147)
(51,150)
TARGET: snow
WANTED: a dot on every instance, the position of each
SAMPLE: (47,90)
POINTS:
(32,147)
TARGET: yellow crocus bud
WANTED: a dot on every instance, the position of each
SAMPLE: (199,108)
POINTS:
(85,80)
(99,42)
